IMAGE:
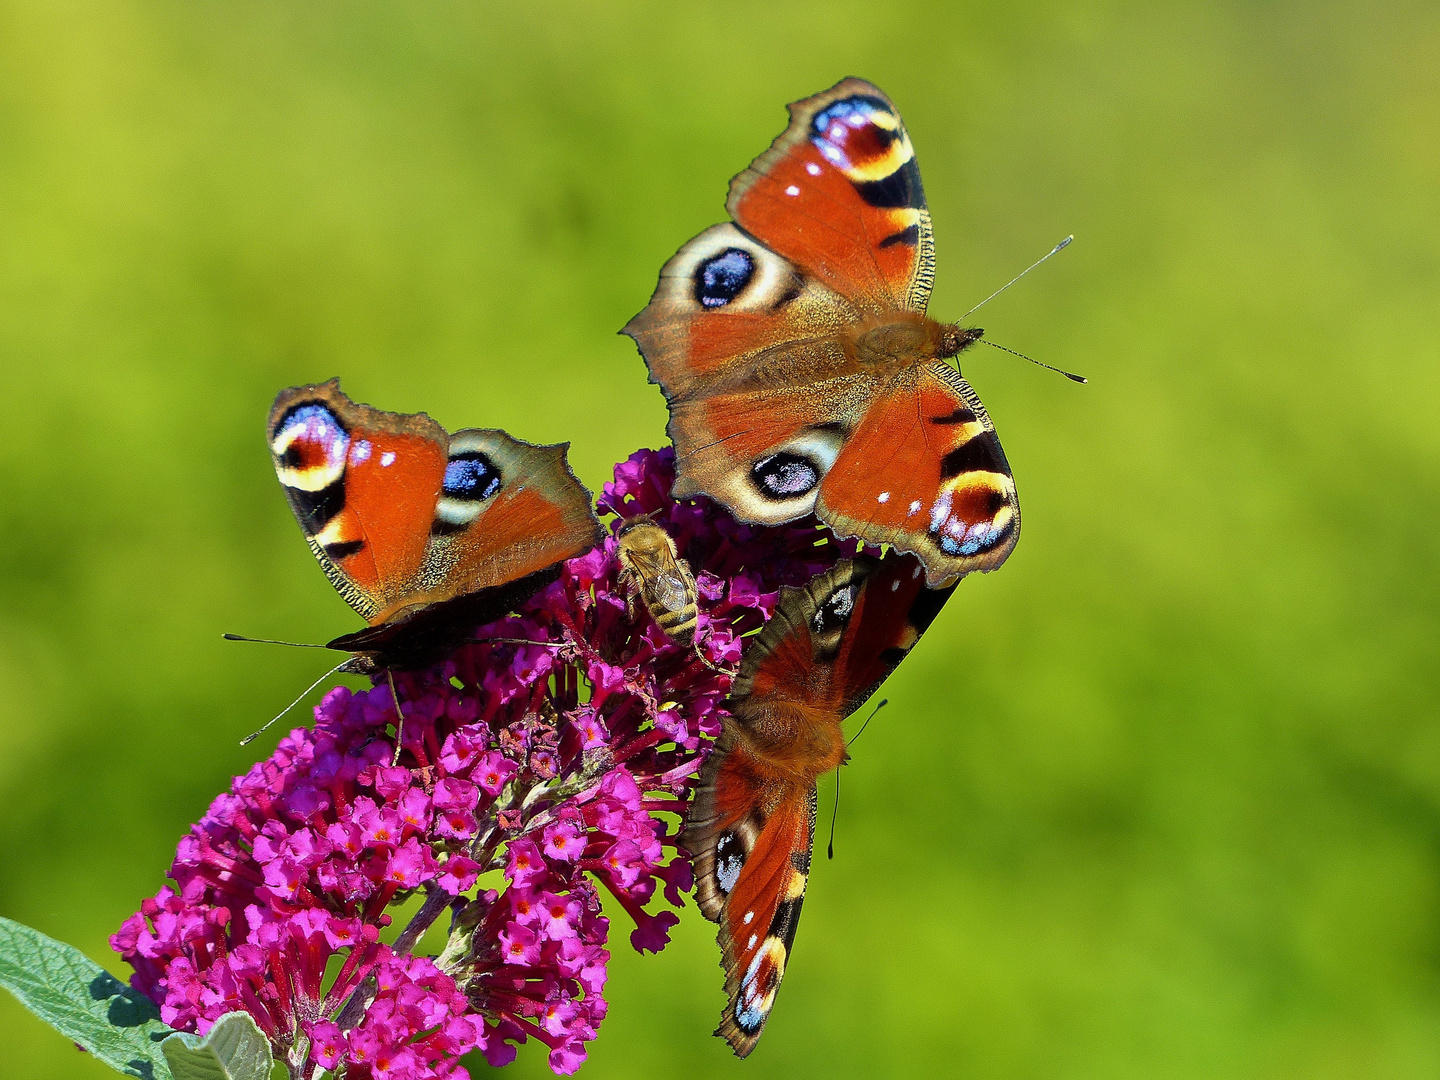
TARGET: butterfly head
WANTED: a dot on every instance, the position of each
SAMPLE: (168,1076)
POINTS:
(954,339)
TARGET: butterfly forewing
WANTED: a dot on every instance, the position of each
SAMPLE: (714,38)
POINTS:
(925,472)
(839,195)
(363,485)
(752,834)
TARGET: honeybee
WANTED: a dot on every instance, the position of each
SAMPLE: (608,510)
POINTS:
(651,566)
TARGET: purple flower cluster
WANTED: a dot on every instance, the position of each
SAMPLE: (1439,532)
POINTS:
(558,771)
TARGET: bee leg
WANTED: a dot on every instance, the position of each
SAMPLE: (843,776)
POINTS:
(626,578)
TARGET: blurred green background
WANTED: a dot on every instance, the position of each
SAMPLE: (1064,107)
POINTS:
(1160,799)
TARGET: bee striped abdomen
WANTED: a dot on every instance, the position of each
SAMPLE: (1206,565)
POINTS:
(672,605)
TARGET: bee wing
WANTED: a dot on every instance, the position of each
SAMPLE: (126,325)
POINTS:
(669,590)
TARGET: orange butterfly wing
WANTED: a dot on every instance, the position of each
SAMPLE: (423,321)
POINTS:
(752,835)
(752,825)
(839,194)
(779,406)
(924,471)
(420,531)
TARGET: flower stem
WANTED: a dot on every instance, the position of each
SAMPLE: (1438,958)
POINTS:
(436,901)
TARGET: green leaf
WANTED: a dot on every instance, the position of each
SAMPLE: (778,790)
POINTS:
(83,1001)
(235,1049)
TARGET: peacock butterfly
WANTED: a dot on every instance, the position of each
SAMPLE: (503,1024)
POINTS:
(425,534)
(800,368)
(751,826)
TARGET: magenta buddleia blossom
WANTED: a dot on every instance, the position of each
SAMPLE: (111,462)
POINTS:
(558,772)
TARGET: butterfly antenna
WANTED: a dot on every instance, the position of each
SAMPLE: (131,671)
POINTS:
(830,848)
(1016,352)
(399,717)
(272,641)
(1061,246)
(256,734)
(883,703)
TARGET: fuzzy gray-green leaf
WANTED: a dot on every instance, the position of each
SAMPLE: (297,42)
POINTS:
(234,1049)
(83,1001)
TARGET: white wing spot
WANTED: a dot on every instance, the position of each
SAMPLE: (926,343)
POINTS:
(813,169)
(751,943)
(727,870)
(940,511)
(883,497)
(894,586)
(914,508)
(360,452)
(792,190)
(748,916)
(387,459)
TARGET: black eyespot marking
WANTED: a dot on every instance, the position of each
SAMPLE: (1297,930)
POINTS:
(962,415)
(470,476)
(313,415)
(900,189)
(980,454)
(909,237)
(976,541)
(315,508)
(721,278)
(835,612)
(786,922)
(784,476)
(749,1016)
(344,549)
(926,606)
(890,658)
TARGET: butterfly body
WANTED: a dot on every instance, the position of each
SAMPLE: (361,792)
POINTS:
(425,534)
(792,741)
(751,827)
(800,367)
(883,345)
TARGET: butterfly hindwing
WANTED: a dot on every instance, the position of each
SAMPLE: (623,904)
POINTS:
(728,311)
(832,642)
(750,830)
